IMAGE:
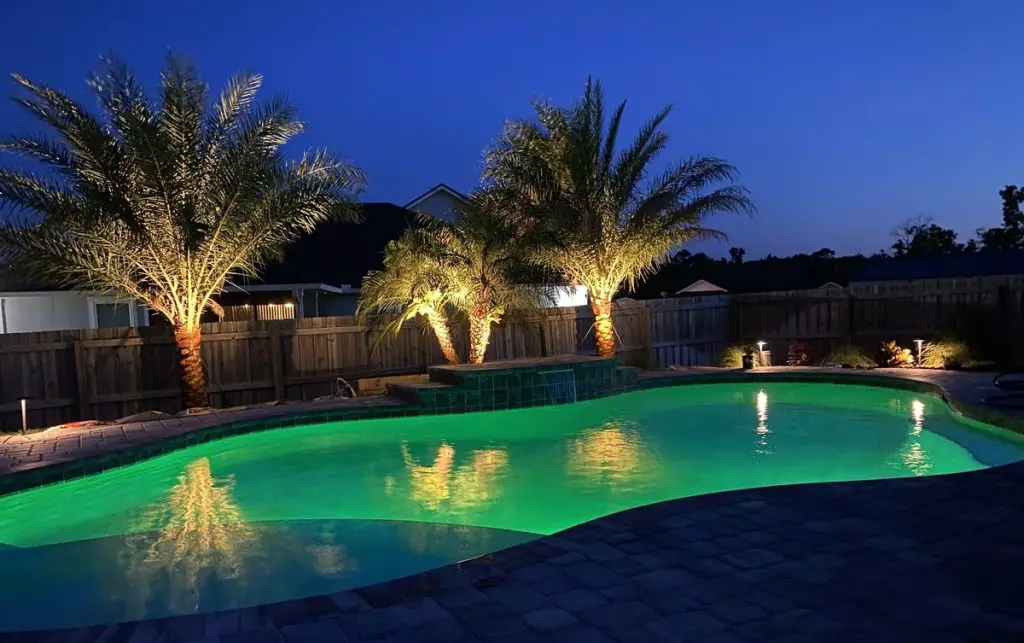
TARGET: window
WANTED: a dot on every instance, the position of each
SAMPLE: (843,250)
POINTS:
(113,315)
(111,312)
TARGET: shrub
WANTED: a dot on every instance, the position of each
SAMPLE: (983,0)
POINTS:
(798,354)
(849,357)
(945,354)
(732,356)
(896,356)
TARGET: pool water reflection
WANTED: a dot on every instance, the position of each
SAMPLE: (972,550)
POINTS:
(317,509)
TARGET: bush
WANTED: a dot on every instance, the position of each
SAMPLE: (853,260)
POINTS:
(849,357)
(895,356)
(732,356)
(945,354)
(798,354)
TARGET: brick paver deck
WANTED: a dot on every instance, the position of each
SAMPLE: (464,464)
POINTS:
(927,559)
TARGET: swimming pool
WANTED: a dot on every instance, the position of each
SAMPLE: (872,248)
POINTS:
(315,509)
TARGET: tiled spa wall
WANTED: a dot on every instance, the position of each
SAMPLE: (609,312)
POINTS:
(463,389)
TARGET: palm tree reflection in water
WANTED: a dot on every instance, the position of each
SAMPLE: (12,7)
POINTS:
(446,489)
(199,534)
(613,456)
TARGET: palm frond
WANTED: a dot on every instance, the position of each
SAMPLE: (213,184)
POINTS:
(593,211)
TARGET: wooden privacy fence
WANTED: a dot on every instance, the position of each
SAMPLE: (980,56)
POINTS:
(109,373)
(991,313)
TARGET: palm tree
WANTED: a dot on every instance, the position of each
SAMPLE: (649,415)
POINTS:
(410,285)
(164,202)
(484,263)
(591,208)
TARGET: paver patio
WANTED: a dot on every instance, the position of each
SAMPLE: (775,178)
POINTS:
(924,559)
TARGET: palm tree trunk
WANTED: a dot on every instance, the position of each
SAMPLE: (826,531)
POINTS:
(444,337)
(604,331)
(193,379)
(479,333)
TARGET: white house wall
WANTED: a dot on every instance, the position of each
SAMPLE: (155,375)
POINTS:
(440,204)
(566,297)
(24,313)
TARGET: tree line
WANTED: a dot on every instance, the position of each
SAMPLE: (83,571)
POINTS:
(918,236)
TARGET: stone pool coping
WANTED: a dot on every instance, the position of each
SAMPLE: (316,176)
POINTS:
(935,558)
(57,455)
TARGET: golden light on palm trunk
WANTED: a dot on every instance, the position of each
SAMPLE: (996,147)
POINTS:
(479,332)
(165,202)
(443,334)
(193,377)
(604,330)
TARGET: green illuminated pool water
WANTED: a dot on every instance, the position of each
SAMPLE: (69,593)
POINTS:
(315,509)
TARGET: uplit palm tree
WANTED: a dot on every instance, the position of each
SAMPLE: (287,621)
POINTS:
(474,264)
(484,264)
(164,202)
(410,285)
(594,212)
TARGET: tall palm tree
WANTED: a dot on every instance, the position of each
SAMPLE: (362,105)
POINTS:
(484,262)
(410,285)
(164,202)
(597,213)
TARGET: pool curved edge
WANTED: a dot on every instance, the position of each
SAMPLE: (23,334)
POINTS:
(413,602)
(202,429)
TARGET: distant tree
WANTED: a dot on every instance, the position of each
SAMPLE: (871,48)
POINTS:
(1010,235)
(824,254)
(682,257)
(736,255)
(920,237)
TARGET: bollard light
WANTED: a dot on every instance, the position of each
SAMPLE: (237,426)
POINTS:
(24,415)
(760,352)
(920,343)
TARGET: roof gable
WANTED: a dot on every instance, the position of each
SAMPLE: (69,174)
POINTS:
(440,188)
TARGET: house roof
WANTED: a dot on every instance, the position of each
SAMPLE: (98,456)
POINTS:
(337,254)
(972,264)
(701,285)
(439,188)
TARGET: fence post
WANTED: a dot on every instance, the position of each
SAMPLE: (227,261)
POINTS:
(645,336)
(542,329)
(82,380)
(850,335)
(1005,347)
(276,361)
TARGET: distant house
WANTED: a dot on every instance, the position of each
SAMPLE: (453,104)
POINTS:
(439,201)
(701,286)
(320,274)
(26,308)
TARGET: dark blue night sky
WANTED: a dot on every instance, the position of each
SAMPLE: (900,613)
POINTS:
(844,117)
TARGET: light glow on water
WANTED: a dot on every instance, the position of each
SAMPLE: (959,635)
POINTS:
(312,510)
